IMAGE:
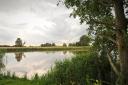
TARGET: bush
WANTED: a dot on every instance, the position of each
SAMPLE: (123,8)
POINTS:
(84,69)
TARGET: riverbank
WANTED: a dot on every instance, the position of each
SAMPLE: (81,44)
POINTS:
(56,48)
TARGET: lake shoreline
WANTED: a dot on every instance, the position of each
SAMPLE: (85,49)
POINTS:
(13,49)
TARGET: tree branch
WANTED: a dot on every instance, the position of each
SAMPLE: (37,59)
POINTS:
(109,38)
(105,2)
(112,65)
(104,23)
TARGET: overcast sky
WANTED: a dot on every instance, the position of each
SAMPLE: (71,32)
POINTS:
(37,21)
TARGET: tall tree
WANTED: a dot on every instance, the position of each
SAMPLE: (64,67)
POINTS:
(106,19)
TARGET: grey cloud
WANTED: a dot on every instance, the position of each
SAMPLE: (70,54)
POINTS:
(65,30)
(6,36)
(38,21)
(13,5)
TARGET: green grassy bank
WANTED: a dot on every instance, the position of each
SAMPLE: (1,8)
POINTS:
(57,48)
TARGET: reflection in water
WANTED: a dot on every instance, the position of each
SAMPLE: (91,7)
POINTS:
(19,55)
(34,62)
(49,52)
(64,52)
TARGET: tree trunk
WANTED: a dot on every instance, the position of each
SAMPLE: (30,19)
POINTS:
(121,40)
(123,55)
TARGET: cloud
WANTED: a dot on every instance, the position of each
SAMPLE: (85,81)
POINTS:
(37,21)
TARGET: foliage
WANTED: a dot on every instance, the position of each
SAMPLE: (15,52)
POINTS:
(64,45)
(48,44)
(19,43)
(72,44)
(2,53)
(85,40)
(84,69)
(107,20)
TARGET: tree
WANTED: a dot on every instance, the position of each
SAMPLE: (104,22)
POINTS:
(48,44)
(106,20)
(18,42)
(53,44)
(64,45)
(84,40)
(70,44)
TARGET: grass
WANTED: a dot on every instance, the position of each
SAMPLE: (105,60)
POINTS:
(56,48)
(9,79)
(15,82)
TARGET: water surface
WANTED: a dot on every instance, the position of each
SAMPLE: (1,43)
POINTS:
(30,63)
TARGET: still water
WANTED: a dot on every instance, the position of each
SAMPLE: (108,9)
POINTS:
(30,63)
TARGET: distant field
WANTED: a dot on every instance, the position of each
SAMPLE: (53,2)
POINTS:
(57,48)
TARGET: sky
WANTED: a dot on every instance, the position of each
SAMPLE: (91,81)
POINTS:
(38,21)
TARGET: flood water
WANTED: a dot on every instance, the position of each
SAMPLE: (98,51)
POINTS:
(30,63)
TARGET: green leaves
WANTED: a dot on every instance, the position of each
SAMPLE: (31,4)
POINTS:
(89,9)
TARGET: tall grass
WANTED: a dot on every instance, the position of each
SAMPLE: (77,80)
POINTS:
(84,69)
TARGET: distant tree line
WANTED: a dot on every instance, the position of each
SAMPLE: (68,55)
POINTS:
(84,41)
(48,44)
